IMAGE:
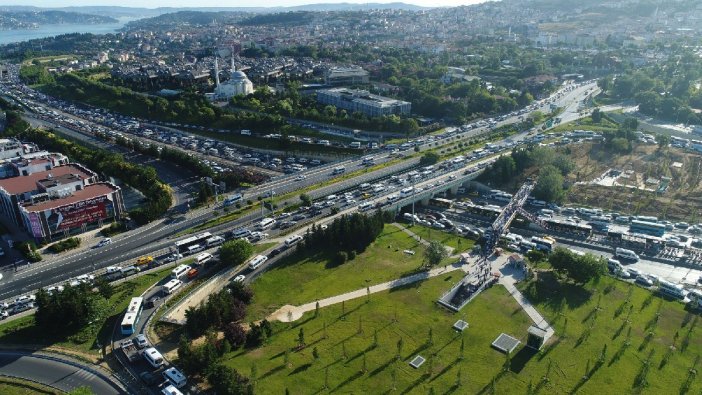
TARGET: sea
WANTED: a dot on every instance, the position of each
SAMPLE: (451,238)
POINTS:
(14,36)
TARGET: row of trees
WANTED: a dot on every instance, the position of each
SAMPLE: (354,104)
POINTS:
(553,167)
(349,233)
(143,178)
(221,308)
(70,310)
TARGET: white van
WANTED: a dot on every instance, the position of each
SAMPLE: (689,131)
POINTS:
(214,241)
(171,390)
(257,261)
(614,265)
(365,206)
(294,239)
(180,271)
(240,233)
(266,223)
(195,248)
(203,258)
(153,357)
(626,254)
(175,376)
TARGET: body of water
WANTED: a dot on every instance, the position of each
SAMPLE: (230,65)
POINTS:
(13,36)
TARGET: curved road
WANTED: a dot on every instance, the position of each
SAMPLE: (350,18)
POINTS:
(54,372)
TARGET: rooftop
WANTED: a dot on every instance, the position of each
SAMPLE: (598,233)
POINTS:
(89,192)
(22,184)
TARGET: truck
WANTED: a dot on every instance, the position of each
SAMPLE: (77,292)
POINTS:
(130,350)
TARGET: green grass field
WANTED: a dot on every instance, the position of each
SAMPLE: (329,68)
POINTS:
(458,243)
(294,281)
(23,331)
(13,386)
(405,313)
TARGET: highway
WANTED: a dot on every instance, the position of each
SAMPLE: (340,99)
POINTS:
(55,372)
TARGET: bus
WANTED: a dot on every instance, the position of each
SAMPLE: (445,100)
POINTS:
(201,239)
(231,199)
(440,202)
(673,290)
(179,271)
(266,223)
(569,227)
(647,228)
(132,315)
(543,244)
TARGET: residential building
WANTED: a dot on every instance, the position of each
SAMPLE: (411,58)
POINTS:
(362,101)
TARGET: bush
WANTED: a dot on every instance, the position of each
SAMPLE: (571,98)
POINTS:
(352,255)
(29,250)
(114,228)
(64,245)
(341,257)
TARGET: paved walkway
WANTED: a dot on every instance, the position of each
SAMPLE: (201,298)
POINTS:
(510,275)
(419,238)
(289,313)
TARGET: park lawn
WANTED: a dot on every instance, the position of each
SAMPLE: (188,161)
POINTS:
(458,243)
(259,248)
(407,313)
(23,331)
(297,281)
(572,310)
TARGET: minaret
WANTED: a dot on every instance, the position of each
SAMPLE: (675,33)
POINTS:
(233,66)
(216,71)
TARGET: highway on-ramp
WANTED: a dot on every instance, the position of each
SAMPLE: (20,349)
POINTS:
(55,372)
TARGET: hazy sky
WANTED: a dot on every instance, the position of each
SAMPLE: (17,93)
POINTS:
(219,3)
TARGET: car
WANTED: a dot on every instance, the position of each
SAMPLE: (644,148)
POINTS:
(149,378)
(24,299)
(151,303)
(86,278)
(300,177)
(173,257)
(643,280)
(55,288)
(141,341)
(4,314)
(240,278)
(104,242)
(22,307)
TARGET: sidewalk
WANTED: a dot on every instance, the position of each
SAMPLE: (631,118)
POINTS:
(510,275)
(419,239)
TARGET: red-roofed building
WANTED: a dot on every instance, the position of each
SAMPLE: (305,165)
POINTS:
(89,206)
(60,181)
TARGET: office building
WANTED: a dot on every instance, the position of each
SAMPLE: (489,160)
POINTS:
(354,100)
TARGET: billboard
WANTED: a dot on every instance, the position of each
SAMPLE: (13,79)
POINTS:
(76,214)
(35,223)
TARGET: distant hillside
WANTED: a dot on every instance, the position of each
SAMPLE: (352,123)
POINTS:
(17,19)
(281,18)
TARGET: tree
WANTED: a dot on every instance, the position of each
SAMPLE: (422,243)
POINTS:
(596,115)
(305,199)
(235,334)
(435,253)
(235,252)
(301,337)
(504,168)
(104,287)
(663,140)
(549,185)
(226,381)
(429,158)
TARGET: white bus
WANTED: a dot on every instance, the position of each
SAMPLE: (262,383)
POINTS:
(172,286)
(153,357)
(338,170)
(203,258)
(257,261)
(266,223)
(294,239)
(175,377)
(182,245)
(674,290)
(132,315)
(543,244)
(180,271)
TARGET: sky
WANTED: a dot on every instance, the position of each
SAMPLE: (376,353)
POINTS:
(220,3)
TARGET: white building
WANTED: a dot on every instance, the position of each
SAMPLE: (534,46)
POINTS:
(238,84)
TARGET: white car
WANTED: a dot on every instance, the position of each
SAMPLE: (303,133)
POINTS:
(104,242)
(300,177)
(24,299)
(86,278)
(239,279)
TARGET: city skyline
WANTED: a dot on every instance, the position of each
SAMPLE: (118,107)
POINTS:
(219,4)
